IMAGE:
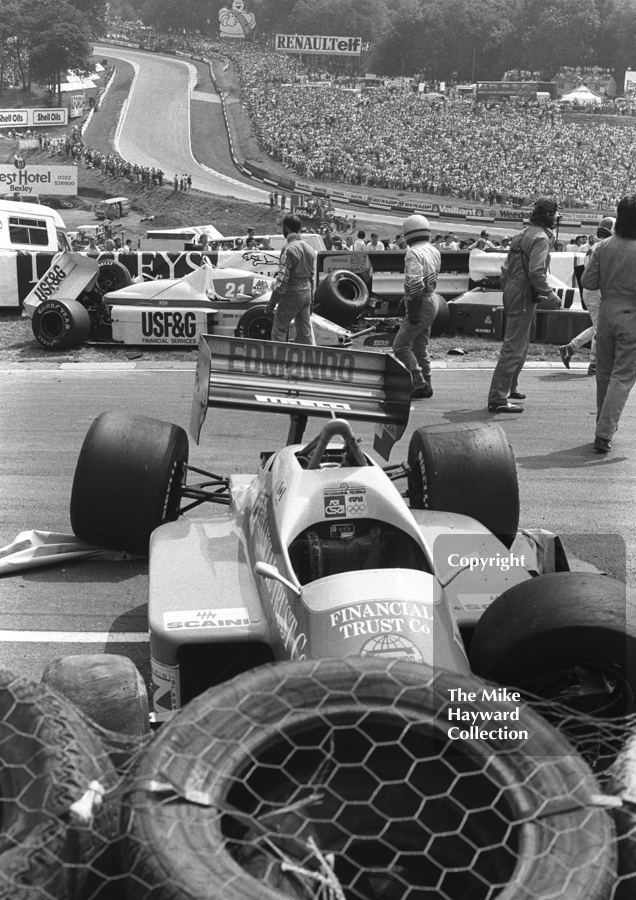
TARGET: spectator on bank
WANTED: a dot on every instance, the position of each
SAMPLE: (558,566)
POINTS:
(360,242)
(375,243)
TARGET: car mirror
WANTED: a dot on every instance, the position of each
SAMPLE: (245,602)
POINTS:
(267,571)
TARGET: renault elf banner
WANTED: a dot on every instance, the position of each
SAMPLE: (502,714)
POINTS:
(318,43)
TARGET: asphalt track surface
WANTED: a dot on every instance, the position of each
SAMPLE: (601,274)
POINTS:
(100,606)
(154,128)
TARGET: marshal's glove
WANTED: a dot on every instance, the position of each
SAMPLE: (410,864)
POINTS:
(551,301)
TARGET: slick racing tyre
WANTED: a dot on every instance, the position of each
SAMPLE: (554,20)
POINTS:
(127,480)
(112,276)
(468,469)
(60,324)
(441,320)
(51,847)
(345,769)
(256,323)
(564,636)
(341,297)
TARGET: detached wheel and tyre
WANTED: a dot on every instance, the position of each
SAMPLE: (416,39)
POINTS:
(440,323)
(49,758)
(256,323)
(345,769)
(112,276)
(564,636)
(342,297)
(60,324)
(467,469)
(128,480)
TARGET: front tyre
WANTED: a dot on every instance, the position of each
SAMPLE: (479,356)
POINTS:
(467,469)
(127,480)
(564,636)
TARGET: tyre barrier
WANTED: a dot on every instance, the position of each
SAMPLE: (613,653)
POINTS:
(341,775)
(59,797)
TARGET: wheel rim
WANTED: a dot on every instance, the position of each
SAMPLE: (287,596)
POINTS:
(348,290)
(586,688)
(52,325)
(260,328)
(354,791)
(107,281)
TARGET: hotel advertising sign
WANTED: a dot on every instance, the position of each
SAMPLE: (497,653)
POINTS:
(318,44)
(61,180)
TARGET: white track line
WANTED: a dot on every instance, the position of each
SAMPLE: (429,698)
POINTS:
(74,637)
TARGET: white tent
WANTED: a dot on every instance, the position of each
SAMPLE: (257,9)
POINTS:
(583,96)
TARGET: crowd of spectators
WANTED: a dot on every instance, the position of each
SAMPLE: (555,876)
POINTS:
(457,147)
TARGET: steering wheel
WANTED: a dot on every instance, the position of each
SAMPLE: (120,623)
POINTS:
(315,450)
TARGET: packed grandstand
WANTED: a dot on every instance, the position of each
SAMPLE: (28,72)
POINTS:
(321,129)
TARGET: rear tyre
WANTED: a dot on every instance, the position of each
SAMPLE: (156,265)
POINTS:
(60,324)
(564,636)
(355,755)
(127,480)
(112,276)
(467,469)
(256,323)
(342,297)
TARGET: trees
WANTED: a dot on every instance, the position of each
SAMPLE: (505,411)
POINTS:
(60,43)
(42,39)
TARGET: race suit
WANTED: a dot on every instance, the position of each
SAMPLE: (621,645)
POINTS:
(422,263)
(525,268)
(293,291)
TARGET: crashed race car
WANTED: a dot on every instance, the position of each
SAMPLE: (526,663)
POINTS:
(284,566)
(80,299)
(325,651)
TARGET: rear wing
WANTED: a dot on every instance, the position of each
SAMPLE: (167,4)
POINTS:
(329,382)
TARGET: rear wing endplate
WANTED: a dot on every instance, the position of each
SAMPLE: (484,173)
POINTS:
(329,382)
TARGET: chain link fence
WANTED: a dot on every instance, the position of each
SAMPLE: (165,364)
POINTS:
(348,779)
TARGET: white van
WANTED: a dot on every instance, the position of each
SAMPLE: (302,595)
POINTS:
(31,226)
